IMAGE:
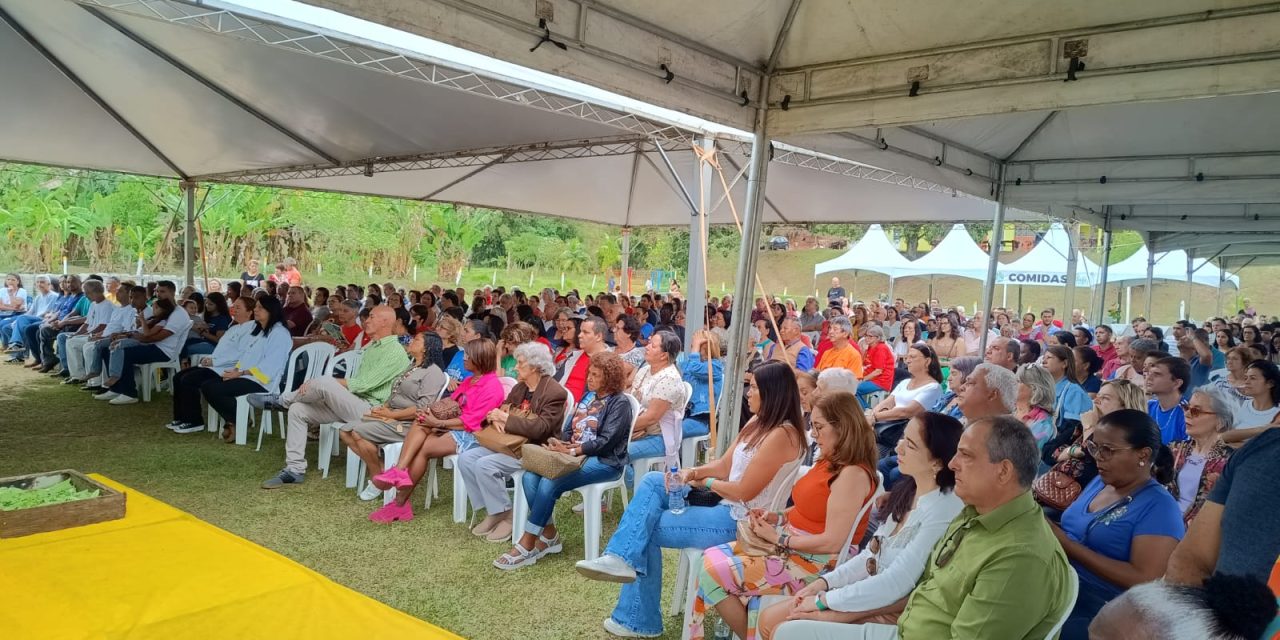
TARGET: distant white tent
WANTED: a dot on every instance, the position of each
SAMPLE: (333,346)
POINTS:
(1170,265)
(874,252)
(1046,264)
(956,255)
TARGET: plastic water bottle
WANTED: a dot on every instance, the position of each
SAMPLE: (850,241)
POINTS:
(722,631)
(675,491)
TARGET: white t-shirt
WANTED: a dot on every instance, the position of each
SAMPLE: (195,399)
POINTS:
(99,313)
(178,323)
(122,319)
(1247,416)
(926,395)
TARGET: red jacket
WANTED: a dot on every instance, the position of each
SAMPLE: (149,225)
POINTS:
(880,357)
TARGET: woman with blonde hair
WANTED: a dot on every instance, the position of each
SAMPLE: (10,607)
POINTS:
(808,536)
(705,357)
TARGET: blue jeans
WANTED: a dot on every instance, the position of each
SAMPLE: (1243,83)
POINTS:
(62,348)
(197,347)
(140,354)
(866,388)
(889,469)
(5,329)
(542,493)
(696,426)
(646,447)
(1088,603)
(17,331)
(31,339)
(645,530)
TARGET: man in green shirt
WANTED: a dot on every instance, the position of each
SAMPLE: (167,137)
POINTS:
(328,399)
(998,573)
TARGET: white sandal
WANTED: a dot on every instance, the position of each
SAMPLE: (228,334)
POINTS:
(510,562)
(554,545)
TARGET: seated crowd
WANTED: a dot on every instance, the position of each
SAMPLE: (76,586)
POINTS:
(891,477)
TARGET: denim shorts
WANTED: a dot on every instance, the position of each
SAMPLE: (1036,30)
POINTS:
(464,440)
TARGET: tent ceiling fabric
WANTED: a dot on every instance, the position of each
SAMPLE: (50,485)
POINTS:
(1173,104)
(227,96)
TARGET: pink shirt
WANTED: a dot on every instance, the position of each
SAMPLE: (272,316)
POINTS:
(477,396)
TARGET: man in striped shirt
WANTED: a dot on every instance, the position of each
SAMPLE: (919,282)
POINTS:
(328,399)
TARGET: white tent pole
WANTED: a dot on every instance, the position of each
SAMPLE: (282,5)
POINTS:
(1191,272)
(696,296)
(891,279)
(744,279)
(1073,244)
(626,261)
(188,236)
(1128,304)
(1151,268)
(1004,296)
(1101,312)
(1222,283)
(997,230)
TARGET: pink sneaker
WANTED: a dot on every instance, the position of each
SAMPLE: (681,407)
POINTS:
(393,477)
(392,512)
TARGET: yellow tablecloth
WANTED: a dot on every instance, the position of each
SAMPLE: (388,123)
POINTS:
(162,573)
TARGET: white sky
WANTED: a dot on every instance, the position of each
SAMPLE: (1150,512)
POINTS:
(383,37)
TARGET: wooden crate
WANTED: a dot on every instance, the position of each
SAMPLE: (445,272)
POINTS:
(109,505)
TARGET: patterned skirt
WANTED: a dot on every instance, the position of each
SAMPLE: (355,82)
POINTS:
(726,573)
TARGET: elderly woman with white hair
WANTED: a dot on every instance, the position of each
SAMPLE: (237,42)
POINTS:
(533,412)
(837,380)
(1199,460)
(1035,402)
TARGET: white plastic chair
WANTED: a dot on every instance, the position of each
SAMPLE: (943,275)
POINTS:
(318,355)
(459,487)
(691,559)
(391,455)
(641,466)
(329,431)
(593,494)
(520,504)
(1074,580)
(356,467)
(689,447)
(147,374)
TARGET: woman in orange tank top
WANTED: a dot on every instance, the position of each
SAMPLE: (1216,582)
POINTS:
(809,536)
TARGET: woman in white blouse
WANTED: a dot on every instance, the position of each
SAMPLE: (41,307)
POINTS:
(920,507)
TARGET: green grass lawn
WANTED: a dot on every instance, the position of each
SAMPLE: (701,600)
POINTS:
(430,568)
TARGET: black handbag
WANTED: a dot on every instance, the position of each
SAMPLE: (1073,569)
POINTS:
(702,497)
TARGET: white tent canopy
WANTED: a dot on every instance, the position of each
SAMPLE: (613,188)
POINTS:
(873,252)
(955,255)
(1046,263)
(1171,265)
(1153,116)
(208,93)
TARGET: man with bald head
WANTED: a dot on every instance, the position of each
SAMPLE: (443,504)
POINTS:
(328,399)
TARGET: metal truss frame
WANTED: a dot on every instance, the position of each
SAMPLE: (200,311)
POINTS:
(314,42)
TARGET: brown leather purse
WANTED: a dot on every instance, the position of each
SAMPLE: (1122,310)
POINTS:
(501,441)
(1056,490)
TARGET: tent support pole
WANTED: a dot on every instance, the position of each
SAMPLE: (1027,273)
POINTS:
(744,279)
(1151,270)
(1073,249)
(626,261)
(891,279)
(188,235)
(997,230)
(1191,272)
(696,295)
(1101,316)
(1222,282)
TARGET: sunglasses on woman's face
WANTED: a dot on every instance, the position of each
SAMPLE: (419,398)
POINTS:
(1196,412)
